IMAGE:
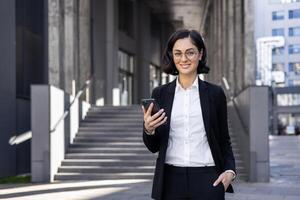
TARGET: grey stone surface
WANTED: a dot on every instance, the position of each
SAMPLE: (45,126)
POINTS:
(284,184)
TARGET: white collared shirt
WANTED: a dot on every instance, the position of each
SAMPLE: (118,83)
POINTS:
(188,145)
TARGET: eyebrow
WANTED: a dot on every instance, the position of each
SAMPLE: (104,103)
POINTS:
(185,50)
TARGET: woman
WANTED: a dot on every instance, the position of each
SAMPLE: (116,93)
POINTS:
(190,132)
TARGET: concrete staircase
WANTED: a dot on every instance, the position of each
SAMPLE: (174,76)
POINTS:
(240,168)
(109,146)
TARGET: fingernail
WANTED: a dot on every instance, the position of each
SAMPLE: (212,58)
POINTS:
(214,184)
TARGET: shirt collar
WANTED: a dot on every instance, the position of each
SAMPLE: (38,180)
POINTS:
(193,86)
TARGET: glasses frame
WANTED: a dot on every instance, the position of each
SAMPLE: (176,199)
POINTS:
(178,58)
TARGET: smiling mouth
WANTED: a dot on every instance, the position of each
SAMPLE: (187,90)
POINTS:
(185,66)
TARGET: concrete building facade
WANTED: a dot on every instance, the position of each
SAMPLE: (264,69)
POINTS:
(118,43)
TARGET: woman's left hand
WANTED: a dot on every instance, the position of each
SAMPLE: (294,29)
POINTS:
(225,178)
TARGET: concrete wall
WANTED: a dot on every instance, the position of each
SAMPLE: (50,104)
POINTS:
(49,142)
(7,87)
(253,111)
(22,126)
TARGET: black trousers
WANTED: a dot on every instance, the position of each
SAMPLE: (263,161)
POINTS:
(191,183)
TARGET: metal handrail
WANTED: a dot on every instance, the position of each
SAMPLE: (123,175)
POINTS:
(232,99)
(78,95)
(28,135)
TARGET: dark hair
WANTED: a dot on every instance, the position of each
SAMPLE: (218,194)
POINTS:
(167,58)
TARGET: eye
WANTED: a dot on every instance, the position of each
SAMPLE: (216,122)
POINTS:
(190,53)
(177,54)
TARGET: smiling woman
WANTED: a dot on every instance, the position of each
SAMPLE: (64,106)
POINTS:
(190,132)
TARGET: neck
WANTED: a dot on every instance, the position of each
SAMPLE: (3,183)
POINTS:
(186,80)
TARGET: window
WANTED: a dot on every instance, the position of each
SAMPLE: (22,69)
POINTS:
(294,67)
(275,1)
(294,49)
(278,15)
(282,1)
(278,32)
(29,46)
(278,51)
(294,14)
(278,67)
(125,77)
(294,31)
(126,17)
(154,77)
(288,99)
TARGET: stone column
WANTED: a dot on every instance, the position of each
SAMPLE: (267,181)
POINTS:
(84,42)
(143,49)
(69,45)
(54,41)
(249,43)
(105,50)
(230,46)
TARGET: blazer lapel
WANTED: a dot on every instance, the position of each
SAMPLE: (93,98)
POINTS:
(204,101)
(168,101)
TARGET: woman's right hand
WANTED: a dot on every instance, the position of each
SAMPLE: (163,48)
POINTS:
(154,121)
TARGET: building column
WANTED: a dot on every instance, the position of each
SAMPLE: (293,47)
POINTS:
(105,50)
(249,43)
(143,49)
(238,46)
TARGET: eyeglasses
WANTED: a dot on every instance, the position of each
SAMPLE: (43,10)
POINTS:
(190,54)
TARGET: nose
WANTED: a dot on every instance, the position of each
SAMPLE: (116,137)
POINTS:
(183,57)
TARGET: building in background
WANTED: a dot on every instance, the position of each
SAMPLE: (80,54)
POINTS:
(63,43)
(282,18)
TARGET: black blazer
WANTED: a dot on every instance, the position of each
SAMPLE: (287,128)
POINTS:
(214,111)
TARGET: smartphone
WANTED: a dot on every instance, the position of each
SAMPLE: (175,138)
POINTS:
(146,103)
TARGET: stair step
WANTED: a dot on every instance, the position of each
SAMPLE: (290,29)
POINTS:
(108,134)
(107,139)
(108,124)
(125,156)
(106,169)
(116,114)
(107,144)
(107,162)
(110,129)
(97,176)
(107,150)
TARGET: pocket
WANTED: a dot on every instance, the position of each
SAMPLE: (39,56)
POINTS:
(222,186)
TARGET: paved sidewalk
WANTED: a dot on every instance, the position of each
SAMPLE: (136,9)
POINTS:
(284,184)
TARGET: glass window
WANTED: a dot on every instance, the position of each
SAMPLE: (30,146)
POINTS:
(278,67)
(126,65)
(294,49)
(278,32)
(278,15)
(278,51)
(294,14)
(282,1)
(29,46)
(154,77)
(126,17)
(275,1)
(294,67)
(294,31)
(288,99)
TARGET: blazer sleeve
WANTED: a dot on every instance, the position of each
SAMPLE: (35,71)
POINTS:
(152,142)
(225,143)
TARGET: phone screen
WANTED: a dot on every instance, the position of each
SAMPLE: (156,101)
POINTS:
(146,103)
